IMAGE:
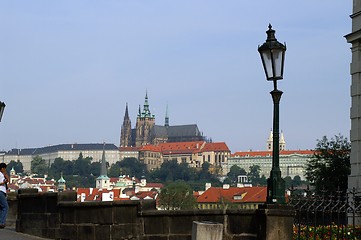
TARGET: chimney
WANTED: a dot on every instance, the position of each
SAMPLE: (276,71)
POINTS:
(208,185)
(225,186)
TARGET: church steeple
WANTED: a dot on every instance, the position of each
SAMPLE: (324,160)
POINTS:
(166,122)
(103,169)
(103,180)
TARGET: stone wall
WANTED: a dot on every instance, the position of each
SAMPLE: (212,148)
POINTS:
(59,216)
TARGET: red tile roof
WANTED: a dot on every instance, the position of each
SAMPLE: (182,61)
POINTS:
(181,147)
(154,185)
(145,194)
(269,153)
(185,147)
(95,194)
(234,195)
(151,148)
(217,147)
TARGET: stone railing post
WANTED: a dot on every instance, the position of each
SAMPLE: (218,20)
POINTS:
(207,231)
(276,221)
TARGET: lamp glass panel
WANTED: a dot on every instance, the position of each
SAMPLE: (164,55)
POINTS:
(267,61)
(277,58)
(2,108)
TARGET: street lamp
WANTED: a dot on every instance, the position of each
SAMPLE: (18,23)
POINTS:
(2,108)
(273,54)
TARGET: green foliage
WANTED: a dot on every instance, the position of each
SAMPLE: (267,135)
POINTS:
(56,168)
(17,165)
(171,171)
(78,173)
(39,166)
(82,166)
(262,181)
(254,176)
(79,181)
(95,168)
(128,166)
(234,172)
(177,196)
(254,171)
(331,159)
(295,182)
(68,167)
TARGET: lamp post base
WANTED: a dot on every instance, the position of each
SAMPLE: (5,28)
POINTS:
(275,188)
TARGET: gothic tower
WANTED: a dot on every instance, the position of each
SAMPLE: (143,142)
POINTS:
(145,123)
(126,130)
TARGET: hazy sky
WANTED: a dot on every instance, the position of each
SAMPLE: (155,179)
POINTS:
(68,68)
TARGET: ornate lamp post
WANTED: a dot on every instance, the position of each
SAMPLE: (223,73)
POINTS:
(273,54)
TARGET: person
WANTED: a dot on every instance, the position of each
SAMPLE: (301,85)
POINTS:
(4,207)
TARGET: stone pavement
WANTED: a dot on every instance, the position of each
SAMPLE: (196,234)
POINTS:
(9,233)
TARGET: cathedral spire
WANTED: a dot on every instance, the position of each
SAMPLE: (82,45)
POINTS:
(126,129)
(146,111)
(166,123)
(126,115)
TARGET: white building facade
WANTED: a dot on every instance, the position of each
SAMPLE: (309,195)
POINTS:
(65,151)
(292,162)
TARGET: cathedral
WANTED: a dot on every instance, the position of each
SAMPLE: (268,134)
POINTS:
(147,132)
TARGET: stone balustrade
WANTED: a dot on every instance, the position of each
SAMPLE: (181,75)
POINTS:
(59,216)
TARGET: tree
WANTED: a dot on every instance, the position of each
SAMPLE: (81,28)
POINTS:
(82,166)
(128,166)
(176,196)
(234,172)
(56,168)
(68,168)
(329,168)
(253,174)
(95,168)
(17,165)
(39,166)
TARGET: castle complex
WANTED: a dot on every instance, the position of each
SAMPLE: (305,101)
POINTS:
(146,132)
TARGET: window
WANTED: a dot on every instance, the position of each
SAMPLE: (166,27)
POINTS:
(237,197)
